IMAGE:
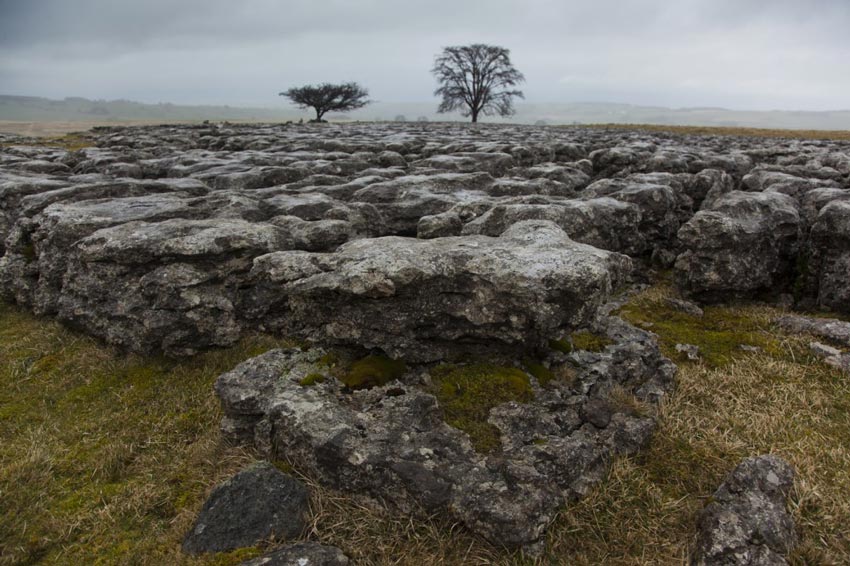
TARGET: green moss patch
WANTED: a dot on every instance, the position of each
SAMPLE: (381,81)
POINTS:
(372,371)
(719,333)
(590,341)
(312,379)
(561,345)
(467,394)
(541,373)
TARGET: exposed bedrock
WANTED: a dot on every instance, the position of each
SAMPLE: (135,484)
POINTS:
(743,245)
(392,442)
(151,239)
(829,262)
(425,300)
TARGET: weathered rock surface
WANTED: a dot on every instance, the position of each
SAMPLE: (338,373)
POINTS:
(301,554)
(431,242)
(417,299)
(746,522)
(744,244)
(392,443)
(94,236)
(829,261)
(829,328)
(257,503)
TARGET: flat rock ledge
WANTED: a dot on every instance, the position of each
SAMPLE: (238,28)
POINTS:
(426,300)
(746,523)
(391,443)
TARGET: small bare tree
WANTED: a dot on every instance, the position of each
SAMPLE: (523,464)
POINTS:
(328,97)
(477,79)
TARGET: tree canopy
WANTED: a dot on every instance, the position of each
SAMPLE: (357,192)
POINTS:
(328,97)
(477,79)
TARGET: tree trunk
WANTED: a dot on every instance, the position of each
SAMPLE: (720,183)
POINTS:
(474,116)
(319,115)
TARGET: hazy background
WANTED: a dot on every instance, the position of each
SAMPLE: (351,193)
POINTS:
(623,56)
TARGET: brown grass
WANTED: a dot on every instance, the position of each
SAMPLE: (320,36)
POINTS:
(838,135)
(106,459)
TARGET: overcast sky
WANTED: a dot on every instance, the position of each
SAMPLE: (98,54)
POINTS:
(742,54)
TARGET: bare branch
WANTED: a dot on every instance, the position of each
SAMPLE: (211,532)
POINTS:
(476,79)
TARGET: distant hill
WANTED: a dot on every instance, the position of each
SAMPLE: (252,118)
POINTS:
(36,109)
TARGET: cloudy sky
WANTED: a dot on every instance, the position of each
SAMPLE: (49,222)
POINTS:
(742,54)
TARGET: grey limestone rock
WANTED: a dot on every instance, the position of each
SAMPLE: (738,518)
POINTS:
(745,244)
(746,522)
(391,442)
(256,504)
(424,300)
(301,554)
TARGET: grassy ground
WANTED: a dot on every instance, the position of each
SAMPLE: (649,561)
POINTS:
(106,458)
(57,129)
(838,135)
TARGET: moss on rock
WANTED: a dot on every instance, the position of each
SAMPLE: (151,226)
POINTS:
(541,373)
(590,341)
(372,371)
(719,333)
(467,393)
(312,379)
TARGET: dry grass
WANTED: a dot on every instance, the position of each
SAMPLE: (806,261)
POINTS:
(60,128)
(838,135)
(106,459)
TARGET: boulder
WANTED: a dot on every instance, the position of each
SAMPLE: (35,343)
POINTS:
(829,259)
(256,504)
(746,522)
(745,244)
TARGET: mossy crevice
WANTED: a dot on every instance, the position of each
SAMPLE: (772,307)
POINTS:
(590,341)
(467,393)
(312,379)
(372,371)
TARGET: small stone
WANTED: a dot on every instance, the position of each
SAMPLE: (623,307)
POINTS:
(255,504)
(691,351)
(597,412)
(823,351)
(301,554)
(841,362)
(749,348)
(686,307)
(832,329)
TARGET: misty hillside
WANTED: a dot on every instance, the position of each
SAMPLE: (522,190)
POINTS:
(37,109)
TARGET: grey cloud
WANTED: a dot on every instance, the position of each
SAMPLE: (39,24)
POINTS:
(744,53)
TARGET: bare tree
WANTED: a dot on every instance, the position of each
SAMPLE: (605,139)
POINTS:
(477,79)
(328,97)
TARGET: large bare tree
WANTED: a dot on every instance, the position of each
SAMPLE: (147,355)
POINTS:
(328,97)
(477,79)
